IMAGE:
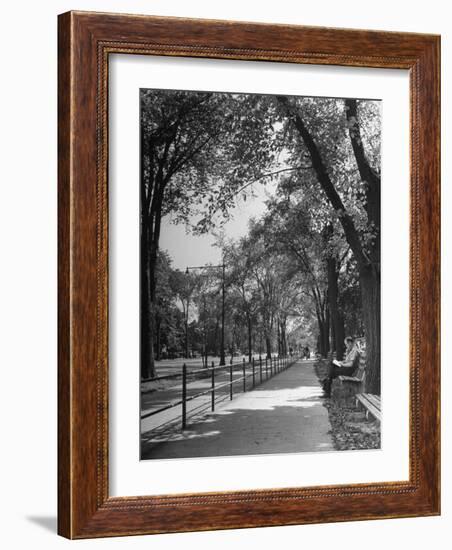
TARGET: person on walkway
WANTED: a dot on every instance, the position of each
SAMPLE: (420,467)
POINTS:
(342,368)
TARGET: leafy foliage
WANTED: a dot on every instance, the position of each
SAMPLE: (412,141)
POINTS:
(309,267)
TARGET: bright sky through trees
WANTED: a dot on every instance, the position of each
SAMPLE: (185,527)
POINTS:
(187,249)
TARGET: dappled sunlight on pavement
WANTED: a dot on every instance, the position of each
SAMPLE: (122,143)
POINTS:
(270,400)
(283,415)
(186,434)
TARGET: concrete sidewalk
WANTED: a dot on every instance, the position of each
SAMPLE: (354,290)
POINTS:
(283,415)
(153,401)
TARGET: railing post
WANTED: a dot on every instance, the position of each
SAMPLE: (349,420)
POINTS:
(184,396)
(244,375)
(260,368)
(254,377)
(230,381)
(213,386)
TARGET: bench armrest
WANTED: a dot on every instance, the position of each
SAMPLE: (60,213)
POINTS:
(354,379)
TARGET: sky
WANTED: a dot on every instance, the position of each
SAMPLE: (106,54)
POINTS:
(188,250)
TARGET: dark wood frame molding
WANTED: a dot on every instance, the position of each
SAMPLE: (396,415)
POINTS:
(85,42)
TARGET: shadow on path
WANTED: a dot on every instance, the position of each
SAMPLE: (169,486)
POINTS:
(283,415)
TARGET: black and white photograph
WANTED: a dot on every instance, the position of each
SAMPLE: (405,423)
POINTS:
(225,233)
(259,274)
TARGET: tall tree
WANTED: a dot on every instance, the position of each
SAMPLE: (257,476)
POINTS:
(364,239)
(241,281)
(176,130)
(183,286)
(195,149)
(290,229)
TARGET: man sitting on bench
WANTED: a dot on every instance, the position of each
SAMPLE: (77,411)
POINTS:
(346,367)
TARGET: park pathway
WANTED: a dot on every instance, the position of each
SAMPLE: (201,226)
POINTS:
(283,415)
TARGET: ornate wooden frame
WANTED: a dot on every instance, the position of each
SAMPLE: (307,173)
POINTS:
(85,42)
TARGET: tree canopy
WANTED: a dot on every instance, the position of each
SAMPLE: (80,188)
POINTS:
(308,268)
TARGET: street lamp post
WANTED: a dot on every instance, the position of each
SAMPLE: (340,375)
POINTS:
(223,292)
(186,331)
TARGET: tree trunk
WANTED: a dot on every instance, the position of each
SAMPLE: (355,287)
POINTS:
(323,346)
(186,334)
(268,346)
(340,336)
(326,336)
(332,334)
(151,252)
(147,330)
(327,328)
(283,338)
(145,335)
(158,323)
(250,338)
(323,340)
(215,346)
(337,323)
(370,291)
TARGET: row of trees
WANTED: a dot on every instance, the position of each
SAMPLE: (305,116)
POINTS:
(188,311)
(313,258)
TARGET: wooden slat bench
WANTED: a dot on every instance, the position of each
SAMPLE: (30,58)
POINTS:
(371,404)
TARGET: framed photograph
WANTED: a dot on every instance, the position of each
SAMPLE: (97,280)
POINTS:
(248,275)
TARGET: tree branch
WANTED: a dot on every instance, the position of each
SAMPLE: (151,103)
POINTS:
(367,173)
(351,234)
(266,175)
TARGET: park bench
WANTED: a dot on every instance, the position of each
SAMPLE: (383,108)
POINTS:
(371,404)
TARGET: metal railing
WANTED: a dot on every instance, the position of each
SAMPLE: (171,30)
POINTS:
(251,374)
